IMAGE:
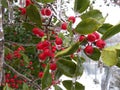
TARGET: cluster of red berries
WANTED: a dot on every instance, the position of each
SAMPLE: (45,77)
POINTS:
(64,25)
(46,11)
(15,54)
(23,10)
(38,32)
(93,39)
(13,81)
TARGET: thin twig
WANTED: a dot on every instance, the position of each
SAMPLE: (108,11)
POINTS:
(22,76)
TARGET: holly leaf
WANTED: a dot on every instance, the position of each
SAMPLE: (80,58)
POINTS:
(81,5)
(69,50)
(68,84)
(111,32)
(28,26)
(47,78)
(104,28)
(46,1)
(79,68)
(34,15)
(96,14)
(66,67)
(25,86)
(109,56)
(87,26)
(57,87)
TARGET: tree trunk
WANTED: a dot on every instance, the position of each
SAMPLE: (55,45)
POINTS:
(1,47)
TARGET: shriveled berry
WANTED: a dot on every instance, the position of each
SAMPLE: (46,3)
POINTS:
(81,38)
(91,37)
(89,50)
(58,41)
(64,26)
(53,66)
(72,19)
(100,43)
(40,75)
(9,56)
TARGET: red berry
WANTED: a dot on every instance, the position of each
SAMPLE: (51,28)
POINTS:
(12,80)
(28,2)
(89,50)
(72,19)
(7,75)
(23,11)
(91,37)
(100,43)
(15,76)
(54,49)
(7,80)
(17,54)
(30,63)
(39,46)
(81,38)
(48,12)
(9,56)
(97,35)
(42,56)
(47,52)
(38,32)
(58,41)
(46,43)
(42,11)
(53,66)
(43,65)
(21,48)
(16,86)
(64,26)
(40,75)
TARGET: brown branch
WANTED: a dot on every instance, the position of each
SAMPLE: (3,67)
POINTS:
(20,44)
(22,76)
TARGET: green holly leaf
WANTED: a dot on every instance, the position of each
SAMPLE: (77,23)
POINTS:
(4,3)
(68,84)
(34,15)
(57,87)
(109,56)
(111,32)
(47,78)
(25,86)
(6,87)
(79,67)
(96,14)
(28,26)
(46,1)
(81,5)
(96,54)
(70,50)
(66,67)
(104,28)
(87,26)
